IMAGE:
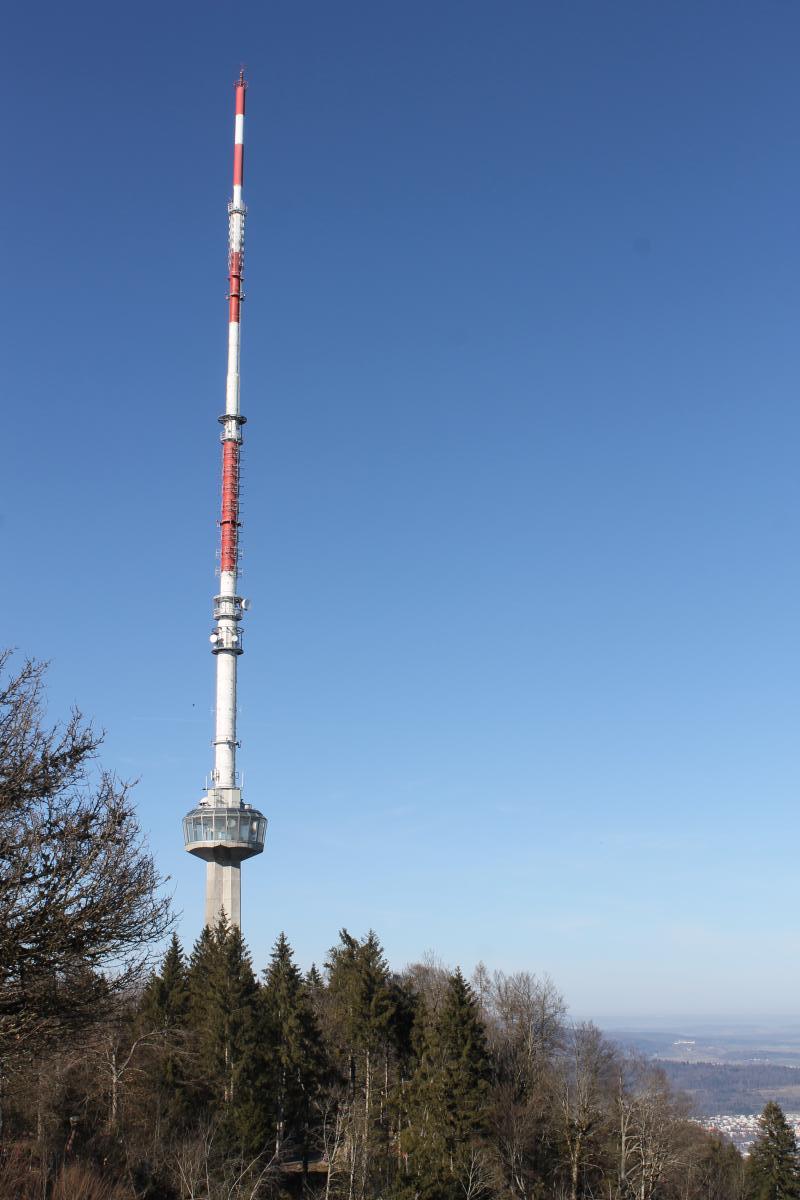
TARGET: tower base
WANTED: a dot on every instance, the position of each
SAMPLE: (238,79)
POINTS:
(223,892)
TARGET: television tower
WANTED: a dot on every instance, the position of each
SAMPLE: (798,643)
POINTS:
(223,830)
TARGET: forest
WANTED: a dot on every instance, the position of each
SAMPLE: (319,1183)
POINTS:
(352,1081)
(131,1070)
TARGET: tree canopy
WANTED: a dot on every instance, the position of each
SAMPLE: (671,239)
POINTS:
(773,1167)
(81,901)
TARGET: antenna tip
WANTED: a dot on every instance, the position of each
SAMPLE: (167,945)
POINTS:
(241,80)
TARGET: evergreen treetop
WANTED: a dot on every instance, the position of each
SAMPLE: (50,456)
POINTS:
(359,991)
(165,1003)
(773,1168)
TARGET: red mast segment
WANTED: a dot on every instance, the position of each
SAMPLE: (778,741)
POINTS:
(229,519)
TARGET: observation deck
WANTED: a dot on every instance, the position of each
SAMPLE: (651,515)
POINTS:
(221,833)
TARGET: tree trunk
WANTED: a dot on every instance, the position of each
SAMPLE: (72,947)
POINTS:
(623,1153)
(331,1148)
(352,1158)
(279,1124)
(43,1163)
(385,1096)
(367,1116)
(304,1147)
(228,1088)
(112,1124)
(575,1170)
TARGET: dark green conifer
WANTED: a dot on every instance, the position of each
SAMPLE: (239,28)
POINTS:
(295,1047)
(773,1168)
(449,1094)
(165,1002)
(359,1010)
(360,998)
(314,981)
(164,1011)
(202,1018)
(225,1011)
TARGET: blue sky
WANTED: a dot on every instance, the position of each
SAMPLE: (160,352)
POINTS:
(521,495)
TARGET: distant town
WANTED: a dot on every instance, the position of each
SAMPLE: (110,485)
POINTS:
(742,1130)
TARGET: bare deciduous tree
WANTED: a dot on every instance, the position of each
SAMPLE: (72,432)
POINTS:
(528,1018)
(525,1018)
(114,1053)
(334,1112)
(476,1175)
(80,899)
(652,1121)
(581,1084)
(204,1173)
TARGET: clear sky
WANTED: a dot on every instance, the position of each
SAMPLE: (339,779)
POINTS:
(521,490)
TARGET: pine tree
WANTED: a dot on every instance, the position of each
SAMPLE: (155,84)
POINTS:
(360,998)
(773,1168)
(295,1046)
(316,992)
(224,1007)
(448,1096)
(360,1010)
(164,1009)
(205,1065)
(165,1002)
(314,981)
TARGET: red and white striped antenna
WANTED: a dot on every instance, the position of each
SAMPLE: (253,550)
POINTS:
(227,607)
(224,830)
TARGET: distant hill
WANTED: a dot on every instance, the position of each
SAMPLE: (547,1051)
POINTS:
(731,1045)
(734,1088)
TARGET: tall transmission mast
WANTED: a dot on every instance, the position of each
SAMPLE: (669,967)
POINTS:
(223,830)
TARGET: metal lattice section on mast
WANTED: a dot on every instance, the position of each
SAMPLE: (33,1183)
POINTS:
(223,830)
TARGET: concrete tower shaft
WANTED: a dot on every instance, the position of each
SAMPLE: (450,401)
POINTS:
(223,830)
